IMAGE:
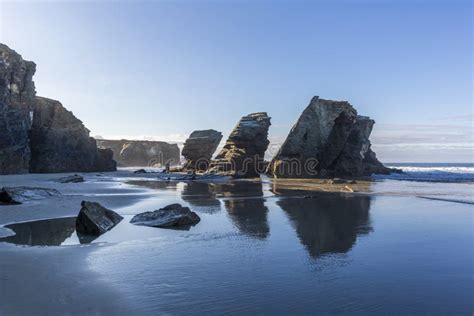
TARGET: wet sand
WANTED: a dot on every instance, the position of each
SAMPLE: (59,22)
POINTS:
(261,246)
(57,280)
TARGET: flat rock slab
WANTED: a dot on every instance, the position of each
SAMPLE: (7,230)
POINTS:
(18,195)
(94,219)
(75,178)
(177,176)
(173,215)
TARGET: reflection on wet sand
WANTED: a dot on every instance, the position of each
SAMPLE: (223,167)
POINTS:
(328,224)
(46,232)
(200,194)
(49,232)
(157,185)
(311,186)
(245,205)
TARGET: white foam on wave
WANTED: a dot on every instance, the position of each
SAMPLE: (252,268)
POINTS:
(433,173)
(435,169)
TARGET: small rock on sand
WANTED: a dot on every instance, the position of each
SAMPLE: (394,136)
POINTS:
(75,178)
(173,215)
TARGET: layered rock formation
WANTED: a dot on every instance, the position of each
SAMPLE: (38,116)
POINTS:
(242,155)
(17,93)
(138,153)
(60,142)
(199,148)
(329,139)
(39,134)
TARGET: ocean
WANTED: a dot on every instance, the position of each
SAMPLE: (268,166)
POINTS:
(432,172)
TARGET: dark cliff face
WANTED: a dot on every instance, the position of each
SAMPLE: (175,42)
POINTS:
(39,134)
(17,92)
(59,142)
(329,139)
(137,153)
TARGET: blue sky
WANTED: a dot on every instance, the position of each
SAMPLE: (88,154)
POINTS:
(162,69)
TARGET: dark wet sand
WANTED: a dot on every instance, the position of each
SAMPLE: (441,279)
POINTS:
(261,247)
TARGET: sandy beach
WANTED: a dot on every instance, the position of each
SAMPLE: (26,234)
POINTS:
(235,247)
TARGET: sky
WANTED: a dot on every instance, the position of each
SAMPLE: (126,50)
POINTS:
(161,69)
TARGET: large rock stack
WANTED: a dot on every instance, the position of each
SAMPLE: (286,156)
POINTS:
(329,139)
(242,155)
(141,153)
(17,93)
(199,148)
(60,142)
(39,134)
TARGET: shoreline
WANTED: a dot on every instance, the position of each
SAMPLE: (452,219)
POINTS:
(80,278)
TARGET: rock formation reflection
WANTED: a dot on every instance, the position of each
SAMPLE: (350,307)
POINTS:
(245,205)
(49,232)
(328,224)
(201,194)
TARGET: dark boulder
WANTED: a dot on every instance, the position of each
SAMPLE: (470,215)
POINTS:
(140,171)
(94,219)
(173,215)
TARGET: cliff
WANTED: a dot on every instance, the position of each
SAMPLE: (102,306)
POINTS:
(59,142)
(17,93)
(39,134)
(141,153)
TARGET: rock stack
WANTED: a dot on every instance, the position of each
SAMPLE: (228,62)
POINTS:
(199,148)
(141,153)
(329,139)
(242,155)
(39,134)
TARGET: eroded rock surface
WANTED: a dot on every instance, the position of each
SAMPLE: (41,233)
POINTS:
(18,195)
(329,139)
(17,92)
(242,155)
(199,148)
(61,143)
(173,215)
(138,153)
(94,219)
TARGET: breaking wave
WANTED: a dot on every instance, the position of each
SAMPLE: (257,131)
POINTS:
(435,172)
